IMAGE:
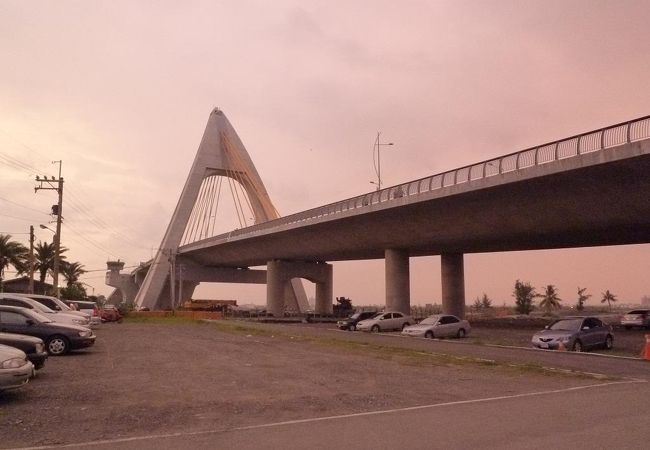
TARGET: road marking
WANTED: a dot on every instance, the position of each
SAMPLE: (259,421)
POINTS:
(328,418)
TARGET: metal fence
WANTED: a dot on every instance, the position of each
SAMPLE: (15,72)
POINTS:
(598,140)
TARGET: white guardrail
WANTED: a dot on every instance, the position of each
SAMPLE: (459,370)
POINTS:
(598,140)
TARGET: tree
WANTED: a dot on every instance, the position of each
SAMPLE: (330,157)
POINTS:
(12,253)
(71,272)
(609,298)
(74,292)
(486,302)
(582,298)
(550,299)
(44,254)
(524,295)
(477,304)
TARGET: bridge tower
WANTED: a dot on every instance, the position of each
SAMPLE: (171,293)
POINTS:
(220,154)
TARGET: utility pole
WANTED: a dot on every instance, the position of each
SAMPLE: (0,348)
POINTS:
(57,210)
(31,259)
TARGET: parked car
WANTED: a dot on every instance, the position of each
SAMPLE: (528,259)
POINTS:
(636,318)
(24,302)
(110,313)
(385,321)
(351,322)
(33,347)
(439,325)
(57,305)
(15,369)
(89,308)
(575,333)
(59,338)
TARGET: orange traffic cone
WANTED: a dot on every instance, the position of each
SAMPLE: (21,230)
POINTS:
(646,350)
(561,347)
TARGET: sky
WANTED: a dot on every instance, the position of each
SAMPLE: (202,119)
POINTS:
(121,91)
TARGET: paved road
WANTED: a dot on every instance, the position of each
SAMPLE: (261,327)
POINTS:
(603,416)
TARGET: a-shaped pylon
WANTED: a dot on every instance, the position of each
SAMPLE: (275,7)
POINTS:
(221,153)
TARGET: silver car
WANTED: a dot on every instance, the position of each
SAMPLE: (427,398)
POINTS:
(15,369)
(439,325)
(636,318)
(24,302)
(385,321)
(575,333)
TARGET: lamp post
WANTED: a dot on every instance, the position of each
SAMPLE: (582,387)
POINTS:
(377,148)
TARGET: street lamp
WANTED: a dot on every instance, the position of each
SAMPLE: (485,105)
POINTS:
(376,148)
(55,269)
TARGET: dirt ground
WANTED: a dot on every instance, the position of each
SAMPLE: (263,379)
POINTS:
(144,378)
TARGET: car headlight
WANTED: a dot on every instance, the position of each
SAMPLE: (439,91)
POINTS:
(40,348)
(77,321)
(87,333)
(13,363)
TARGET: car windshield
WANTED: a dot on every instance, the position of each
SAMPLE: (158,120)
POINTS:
(355,316)
(638,311)
(63,306)
(566,325)
(44,309)
(430,320)
(377,316)
(38,316)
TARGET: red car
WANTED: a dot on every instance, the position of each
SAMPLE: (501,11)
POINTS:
(110,313)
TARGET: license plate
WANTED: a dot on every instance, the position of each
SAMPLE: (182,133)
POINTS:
(543,345)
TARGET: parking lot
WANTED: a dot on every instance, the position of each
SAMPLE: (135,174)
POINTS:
(154,377)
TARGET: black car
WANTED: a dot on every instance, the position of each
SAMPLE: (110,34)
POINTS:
(351,322)
(33,347)
(59,338)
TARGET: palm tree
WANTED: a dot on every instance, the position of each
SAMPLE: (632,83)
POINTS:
(609,298)
(582,298)
(44,254)
(71,272)
(12,253)
(550,299)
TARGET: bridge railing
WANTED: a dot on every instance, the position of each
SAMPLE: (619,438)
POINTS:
(598,140)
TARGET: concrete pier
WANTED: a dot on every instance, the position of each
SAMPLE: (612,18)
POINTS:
(398,287)
(453,284)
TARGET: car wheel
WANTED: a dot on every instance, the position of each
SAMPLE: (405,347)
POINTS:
(57,345)
(428,334)
(461,333)
(375,329)
(577,346)
(352,327)
(609,342)
(404,325)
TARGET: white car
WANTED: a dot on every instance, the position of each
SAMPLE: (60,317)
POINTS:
(439,325)
(61,317)
(385,321)
(15,369)
(57,305)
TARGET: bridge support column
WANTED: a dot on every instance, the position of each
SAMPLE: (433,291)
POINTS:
(325,291)
(398,288)
(453,284)
(279,276)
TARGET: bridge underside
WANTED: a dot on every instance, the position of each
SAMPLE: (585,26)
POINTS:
(557,205)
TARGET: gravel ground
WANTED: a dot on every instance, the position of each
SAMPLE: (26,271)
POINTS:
(155,377)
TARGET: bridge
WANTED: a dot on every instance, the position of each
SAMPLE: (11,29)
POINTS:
(591,189)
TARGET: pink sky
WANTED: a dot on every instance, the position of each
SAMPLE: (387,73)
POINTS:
(121,92)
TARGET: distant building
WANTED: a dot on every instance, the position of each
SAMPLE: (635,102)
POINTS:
(21,286)
(645,300)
